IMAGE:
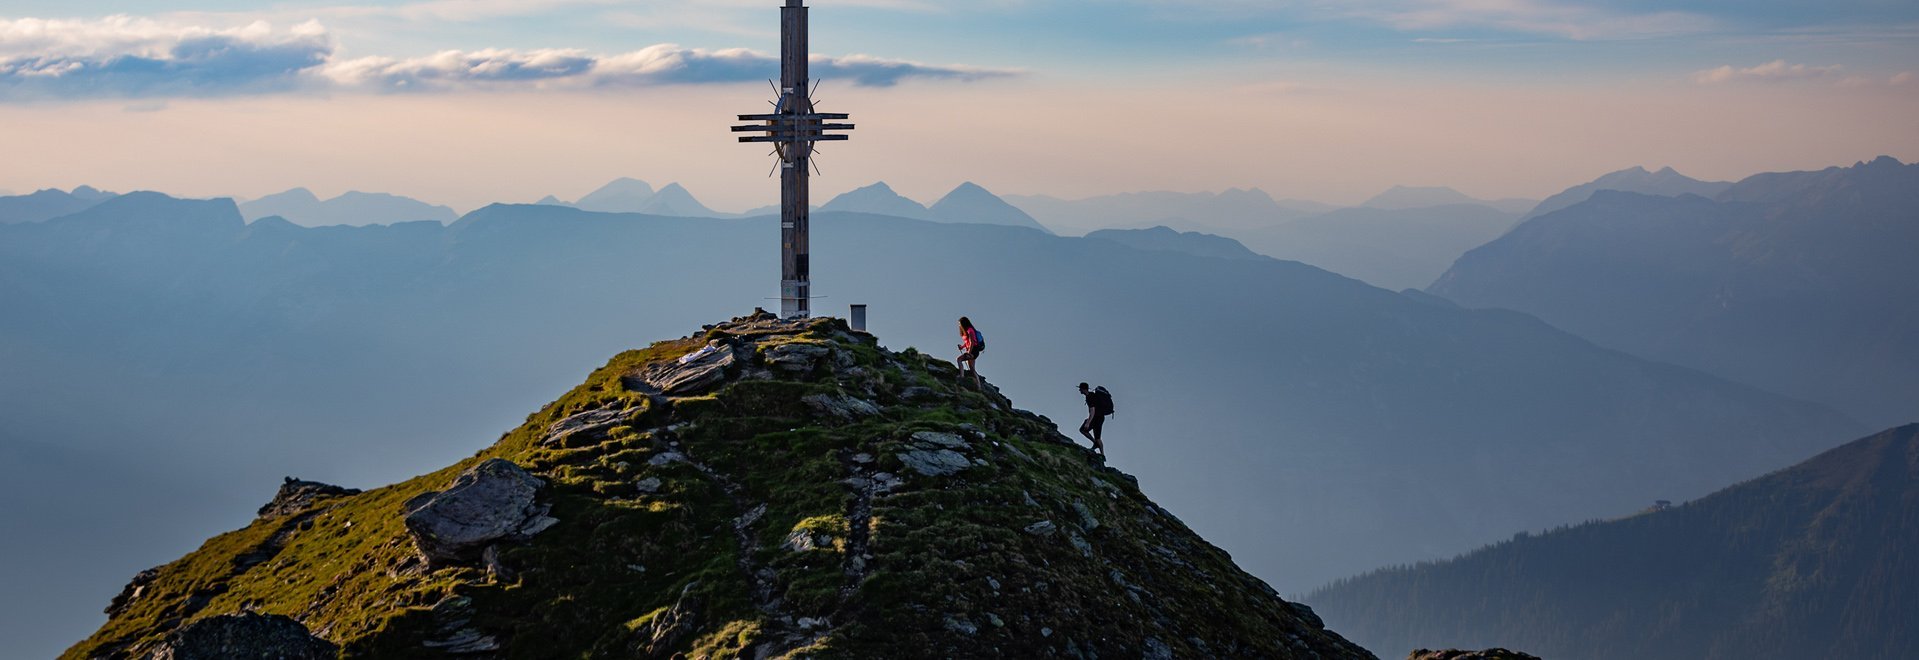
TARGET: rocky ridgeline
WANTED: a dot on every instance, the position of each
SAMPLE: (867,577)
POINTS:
(1456,654)
(759,489)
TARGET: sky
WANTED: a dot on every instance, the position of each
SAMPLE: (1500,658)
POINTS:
(466,102)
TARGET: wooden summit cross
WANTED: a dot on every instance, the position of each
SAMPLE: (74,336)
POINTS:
(793,127)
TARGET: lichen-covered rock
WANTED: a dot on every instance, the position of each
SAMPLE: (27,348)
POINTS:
(244,636)
(1456,654)
(296,496)
(494,501)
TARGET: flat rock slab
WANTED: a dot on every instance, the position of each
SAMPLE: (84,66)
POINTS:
(587,425)
(936,462)
(494,501)
(245,636)
(947,440)
(841,406)
(692,377)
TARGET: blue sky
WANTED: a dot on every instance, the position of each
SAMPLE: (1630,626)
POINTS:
(1024,56)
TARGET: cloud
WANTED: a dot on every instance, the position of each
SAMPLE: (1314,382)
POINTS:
(119,56)
(1774,71)
(1901,78)
(1577,20)
(123,57)
(664,64)
(1584,21)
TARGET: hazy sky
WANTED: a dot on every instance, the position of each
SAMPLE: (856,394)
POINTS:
(469,101)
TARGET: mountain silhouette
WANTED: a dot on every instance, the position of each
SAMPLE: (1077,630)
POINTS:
(1799,282)
(622,195)
(49,203)
(676,201)
(760,488)
(1814,561)
(1665,183)
(1279,408)
(1217,213)
(877,199)
(970,203)
(1166,239)
(301,207)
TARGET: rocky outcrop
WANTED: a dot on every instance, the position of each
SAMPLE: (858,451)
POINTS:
(1456,654)
(493,502)
(131,592)
(244,636)
(693,373)
(296,496)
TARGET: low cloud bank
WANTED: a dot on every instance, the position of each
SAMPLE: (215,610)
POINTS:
(124,57)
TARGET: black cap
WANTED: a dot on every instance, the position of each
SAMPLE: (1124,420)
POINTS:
(1082,386)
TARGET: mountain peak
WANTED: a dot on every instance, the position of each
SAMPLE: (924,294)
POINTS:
(760,488)
(878,199)
(970,202)
(290,195)
(621,195)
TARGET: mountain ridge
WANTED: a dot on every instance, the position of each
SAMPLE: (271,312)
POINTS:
(1807,561)
(1796,282)
(759,488)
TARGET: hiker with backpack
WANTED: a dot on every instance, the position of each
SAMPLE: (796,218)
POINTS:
(1099,404)
(971,343)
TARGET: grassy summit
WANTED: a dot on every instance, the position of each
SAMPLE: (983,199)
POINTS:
(797,490)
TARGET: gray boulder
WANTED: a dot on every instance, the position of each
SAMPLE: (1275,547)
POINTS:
(245,636)
(494,501)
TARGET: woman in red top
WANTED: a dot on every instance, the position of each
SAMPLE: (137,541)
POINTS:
(971,343)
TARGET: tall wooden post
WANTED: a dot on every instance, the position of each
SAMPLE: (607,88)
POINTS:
(793,127)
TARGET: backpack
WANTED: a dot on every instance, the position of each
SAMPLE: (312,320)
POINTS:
(979,341)
(1102,401)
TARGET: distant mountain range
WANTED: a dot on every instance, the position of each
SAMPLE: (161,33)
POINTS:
(967,203)
(1218,213)
(353,208)
(1664,183)
(1815,561)
(1797,282)
(629,195)
(42,205)
(1288,409)
(1417,197)
(1169,240)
